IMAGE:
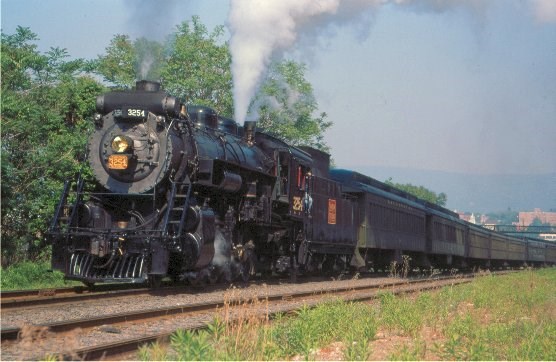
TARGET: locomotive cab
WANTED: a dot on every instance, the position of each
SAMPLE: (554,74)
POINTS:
(292,180)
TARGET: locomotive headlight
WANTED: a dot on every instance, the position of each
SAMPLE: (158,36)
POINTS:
(121,144)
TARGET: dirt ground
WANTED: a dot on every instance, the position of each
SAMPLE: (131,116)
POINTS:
(383,347)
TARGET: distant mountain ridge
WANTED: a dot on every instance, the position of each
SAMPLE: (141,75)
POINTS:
(476,193)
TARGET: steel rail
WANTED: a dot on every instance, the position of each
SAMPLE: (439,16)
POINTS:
(15,299)
(65,297)
(39,297)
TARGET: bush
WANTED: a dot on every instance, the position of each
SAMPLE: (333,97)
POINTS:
(31,275)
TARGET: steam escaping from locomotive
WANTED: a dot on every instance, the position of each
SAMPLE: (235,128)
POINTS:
(150,23)
(146,64)
(262,31)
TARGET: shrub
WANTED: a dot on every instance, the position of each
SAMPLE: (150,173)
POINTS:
(32,275)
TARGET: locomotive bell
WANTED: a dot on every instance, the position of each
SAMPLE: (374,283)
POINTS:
(203,116)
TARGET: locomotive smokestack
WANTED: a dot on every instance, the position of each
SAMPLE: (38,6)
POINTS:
(249,135)
(147,86)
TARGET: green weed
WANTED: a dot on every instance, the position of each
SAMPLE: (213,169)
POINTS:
(32,275)
(153,352)
(410,353)
(309,329)
(192,346)
(357,346)
(400,314)
(502,318)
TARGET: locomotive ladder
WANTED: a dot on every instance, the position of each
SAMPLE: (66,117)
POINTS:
(59,216)
(177,207)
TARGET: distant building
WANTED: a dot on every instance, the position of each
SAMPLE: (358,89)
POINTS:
(485,220)
(463,215)
(526,218)
(479,219)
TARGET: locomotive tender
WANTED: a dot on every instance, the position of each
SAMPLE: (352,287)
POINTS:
(183,193)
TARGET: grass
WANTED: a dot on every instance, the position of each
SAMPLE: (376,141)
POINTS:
(504,318)
(257,338)
(511,317)
(32,275)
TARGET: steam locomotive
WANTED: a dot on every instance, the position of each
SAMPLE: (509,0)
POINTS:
(181,192)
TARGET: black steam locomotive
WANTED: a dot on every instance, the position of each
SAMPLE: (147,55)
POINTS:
(184,193)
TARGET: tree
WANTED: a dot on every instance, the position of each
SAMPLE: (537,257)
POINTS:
(285,106)
(117,65)
(198,67)
(194,64)
(420,192)
(126,62)
(45,101)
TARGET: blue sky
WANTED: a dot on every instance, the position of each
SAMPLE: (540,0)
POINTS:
(468,89)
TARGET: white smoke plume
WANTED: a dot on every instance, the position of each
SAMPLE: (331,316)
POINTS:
(261,30)
(151,20)
(147,61)
(264,30)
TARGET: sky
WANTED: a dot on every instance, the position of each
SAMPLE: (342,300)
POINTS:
(456,86)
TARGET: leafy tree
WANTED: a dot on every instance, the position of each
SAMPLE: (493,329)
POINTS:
(126,61)
(45,99)
(193,65)
(420,192)
(198,67)
(537,227)
(117,66)
(286,104)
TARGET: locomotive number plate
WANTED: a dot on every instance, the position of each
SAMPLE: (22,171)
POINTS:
(134,113)
(117,162)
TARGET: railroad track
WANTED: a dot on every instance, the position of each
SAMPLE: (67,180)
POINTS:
(192,316)
(21,299)
(60,296)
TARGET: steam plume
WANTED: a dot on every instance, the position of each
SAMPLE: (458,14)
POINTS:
(262,30)
(152,21)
